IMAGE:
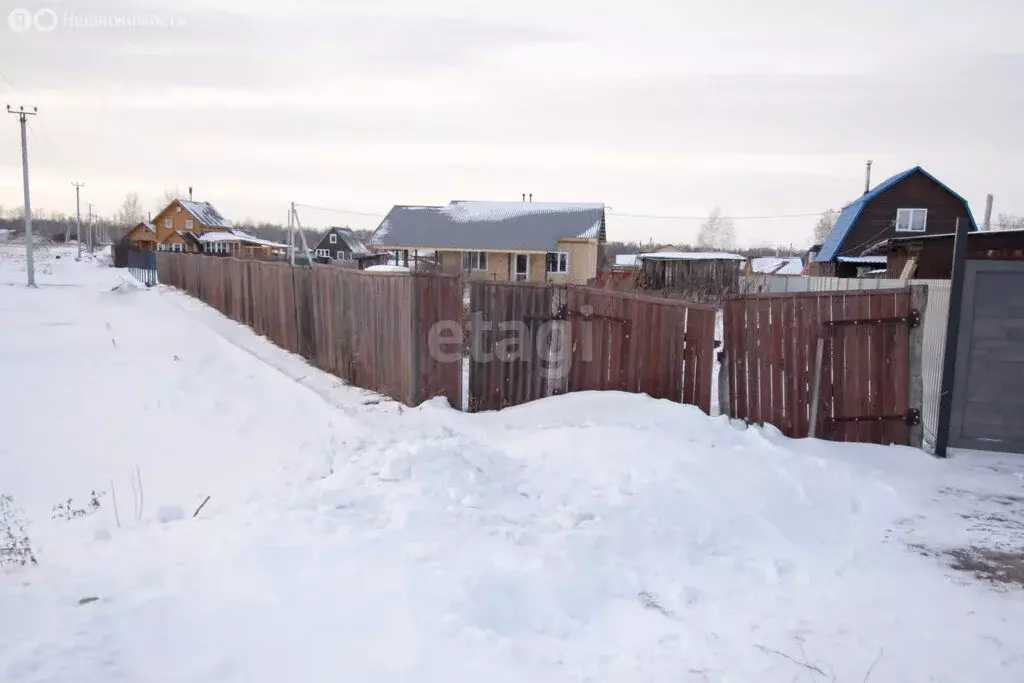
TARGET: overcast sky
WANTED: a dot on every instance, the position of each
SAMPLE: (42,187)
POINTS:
(663,107)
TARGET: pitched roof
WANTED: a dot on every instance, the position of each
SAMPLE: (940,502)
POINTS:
(188,236)
(863,259)
(777,265)
(351,240)
(205,213)
(238,236)
(851,212)
(501,226)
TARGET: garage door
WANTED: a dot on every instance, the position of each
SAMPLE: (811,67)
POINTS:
(988,388)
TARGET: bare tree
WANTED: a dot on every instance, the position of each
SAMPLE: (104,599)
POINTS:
(826,222)
(130,212)
(1009,221)
(168,196)
(717,232)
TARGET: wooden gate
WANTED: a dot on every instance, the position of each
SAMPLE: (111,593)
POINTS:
(529,341)
(771,344)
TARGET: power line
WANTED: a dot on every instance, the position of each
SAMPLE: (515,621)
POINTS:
(342,211)
(704,218)
(610,211)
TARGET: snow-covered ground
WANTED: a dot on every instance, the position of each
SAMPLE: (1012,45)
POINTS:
(588,537)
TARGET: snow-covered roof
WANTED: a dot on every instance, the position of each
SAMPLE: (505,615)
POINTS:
(351,240)
(863,259)
(512,226)
(777,265)
(238,236)
(145,225)
(205,213)
(626,260)
(388,269)
(692,256)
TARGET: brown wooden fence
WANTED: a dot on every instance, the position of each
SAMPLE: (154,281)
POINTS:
(370,329)
(771,346)
(531,341)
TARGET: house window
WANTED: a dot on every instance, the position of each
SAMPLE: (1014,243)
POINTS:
(333,238)
(558,262)
(177,247)
(168,223)
(161,247)
(323,253)
(342,255)
(188,224)
(911,220)
(474,260)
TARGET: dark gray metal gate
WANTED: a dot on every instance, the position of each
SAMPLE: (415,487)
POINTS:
(988,384)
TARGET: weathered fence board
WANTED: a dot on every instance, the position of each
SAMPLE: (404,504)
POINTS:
(372,330)
(771,342)
(576,338)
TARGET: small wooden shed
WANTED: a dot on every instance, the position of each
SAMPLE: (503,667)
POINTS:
(692,272)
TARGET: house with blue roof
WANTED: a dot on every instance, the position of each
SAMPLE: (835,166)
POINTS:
(911,203)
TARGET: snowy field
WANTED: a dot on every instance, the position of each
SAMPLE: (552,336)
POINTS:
(589,537)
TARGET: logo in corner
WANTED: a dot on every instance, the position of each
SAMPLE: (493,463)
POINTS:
(20,20)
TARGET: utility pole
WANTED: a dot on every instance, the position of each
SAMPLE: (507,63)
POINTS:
(78,218)
(88,221)
(291,234)
(23,118)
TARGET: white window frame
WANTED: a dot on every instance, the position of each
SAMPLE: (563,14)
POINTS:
(333,238)
(188,224)
(910,213)
(325,253)
(561,263)
(168,223)
(342,255)
(161,247)
(177,247)
(474,260)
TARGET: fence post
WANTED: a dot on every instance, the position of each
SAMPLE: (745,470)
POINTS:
(414,339)
(724,397)
(812,428)
(915,388)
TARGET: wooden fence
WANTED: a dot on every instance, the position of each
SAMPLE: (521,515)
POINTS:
(771,346)
(531,341)
(371,329)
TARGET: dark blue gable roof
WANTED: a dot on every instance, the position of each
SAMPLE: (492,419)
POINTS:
(851,212)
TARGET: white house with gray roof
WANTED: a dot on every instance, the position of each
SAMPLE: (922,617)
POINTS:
(512,241)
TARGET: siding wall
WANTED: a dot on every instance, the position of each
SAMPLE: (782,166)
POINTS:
(178,219)
(582,265)
(915,192)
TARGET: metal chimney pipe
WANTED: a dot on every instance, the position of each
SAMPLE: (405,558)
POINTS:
(524,196)
(190,193)
(988,213)
(531,196)
(867,178)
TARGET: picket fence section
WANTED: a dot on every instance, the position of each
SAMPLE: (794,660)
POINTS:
(574,338)
(370,329)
